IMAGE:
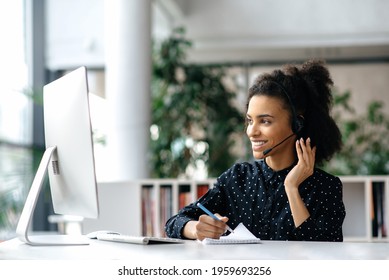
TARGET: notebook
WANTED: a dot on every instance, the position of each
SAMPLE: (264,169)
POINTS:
(144,240)
(241,235)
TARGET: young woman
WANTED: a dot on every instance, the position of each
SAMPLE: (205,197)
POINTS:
(282,195)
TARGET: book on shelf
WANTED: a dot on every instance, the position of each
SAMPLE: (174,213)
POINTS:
(184,196)
(147,211)
(166,207)
(378,210)
(202,189)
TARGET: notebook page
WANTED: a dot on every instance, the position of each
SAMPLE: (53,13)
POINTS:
(241,235)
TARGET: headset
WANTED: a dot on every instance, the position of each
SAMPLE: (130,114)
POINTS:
(297,121)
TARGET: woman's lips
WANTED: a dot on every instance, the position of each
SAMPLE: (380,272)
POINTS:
(257,145)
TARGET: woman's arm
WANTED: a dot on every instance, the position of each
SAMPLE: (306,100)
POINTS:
(325,223)
(304,168)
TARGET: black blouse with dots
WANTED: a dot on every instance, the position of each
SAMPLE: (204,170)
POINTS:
(254,194)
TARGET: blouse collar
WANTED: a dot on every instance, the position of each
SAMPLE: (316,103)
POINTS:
(270,174)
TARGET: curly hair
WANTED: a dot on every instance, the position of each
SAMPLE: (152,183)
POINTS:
(308,88)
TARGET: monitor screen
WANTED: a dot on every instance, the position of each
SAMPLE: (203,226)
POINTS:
(68,159)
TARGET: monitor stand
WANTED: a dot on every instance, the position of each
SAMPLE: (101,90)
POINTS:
(25,220)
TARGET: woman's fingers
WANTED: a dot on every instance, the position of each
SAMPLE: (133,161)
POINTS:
(306,155)
(208,227)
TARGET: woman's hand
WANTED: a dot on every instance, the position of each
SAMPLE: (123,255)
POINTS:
(305,164)
(304,168)
(205,227)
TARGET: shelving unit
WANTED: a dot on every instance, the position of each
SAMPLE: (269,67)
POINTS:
(167,197)
(360,202)
(142,207)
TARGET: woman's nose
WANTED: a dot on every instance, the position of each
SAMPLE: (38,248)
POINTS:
(252,130)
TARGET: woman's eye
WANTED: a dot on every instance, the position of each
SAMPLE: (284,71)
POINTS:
(249,121)
(265,121)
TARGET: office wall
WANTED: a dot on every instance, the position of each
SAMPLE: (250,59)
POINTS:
(366,81)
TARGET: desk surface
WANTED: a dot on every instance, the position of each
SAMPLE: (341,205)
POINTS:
(192,250)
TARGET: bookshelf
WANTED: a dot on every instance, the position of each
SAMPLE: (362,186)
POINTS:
(167,197)
(366,199)
(142,207)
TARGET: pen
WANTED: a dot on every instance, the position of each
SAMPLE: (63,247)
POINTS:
(212,215)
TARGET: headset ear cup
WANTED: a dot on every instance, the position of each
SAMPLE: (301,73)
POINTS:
(299,124)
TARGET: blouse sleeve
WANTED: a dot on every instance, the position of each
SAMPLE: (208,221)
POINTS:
(325,222)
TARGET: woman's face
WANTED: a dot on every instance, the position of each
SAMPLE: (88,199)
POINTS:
(268,124)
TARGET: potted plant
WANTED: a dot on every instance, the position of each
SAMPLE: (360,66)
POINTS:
(193,117)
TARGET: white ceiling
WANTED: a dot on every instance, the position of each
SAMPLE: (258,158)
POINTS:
(274,30)
(231,31)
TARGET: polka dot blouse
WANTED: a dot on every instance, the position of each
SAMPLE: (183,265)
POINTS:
(254,194)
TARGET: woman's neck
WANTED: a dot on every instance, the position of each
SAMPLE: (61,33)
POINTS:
(280,161)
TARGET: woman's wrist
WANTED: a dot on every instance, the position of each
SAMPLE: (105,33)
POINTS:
(291,189)
(189,230)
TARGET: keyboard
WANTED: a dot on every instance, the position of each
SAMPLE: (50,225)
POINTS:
(144,240)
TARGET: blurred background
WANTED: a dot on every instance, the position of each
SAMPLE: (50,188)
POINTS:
(169,78)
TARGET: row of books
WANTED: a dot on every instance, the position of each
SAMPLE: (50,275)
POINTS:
(157,210)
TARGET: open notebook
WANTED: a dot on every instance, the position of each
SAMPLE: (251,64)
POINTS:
(241,235)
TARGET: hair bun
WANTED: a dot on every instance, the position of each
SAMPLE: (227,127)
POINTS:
(318,81)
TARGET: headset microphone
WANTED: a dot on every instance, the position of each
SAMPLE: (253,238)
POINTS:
(265,152)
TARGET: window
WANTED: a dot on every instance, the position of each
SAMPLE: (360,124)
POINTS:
(15,117)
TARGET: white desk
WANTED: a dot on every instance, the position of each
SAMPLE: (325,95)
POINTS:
(192,250)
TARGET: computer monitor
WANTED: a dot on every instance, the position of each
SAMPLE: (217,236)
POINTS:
(68,159)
